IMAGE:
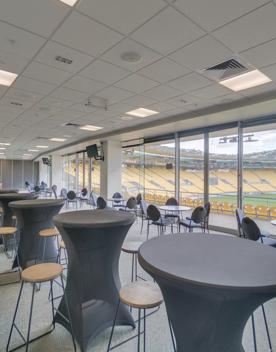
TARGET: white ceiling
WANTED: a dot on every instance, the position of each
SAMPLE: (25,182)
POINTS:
(176,40)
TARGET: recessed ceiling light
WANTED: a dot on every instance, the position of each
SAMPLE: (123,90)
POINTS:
(42,146)
(131,56)
(2,148)
(69,2)
(246,80)
(2,153)
(27,154)
(141,112)
(127,118)
(2,143)
(90,128)
(33,150)
(7,78)
(57,139)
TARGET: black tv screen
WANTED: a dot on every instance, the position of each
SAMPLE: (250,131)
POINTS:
(92,151)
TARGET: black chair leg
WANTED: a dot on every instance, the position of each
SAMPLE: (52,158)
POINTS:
(266,327)
(254,333)
(30,319)
(113,325)
(142,224)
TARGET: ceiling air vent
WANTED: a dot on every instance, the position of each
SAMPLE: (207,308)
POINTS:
(16,103)
(227,69)
(64,60)
(71,124)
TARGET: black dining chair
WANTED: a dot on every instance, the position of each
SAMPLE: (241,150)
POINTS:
(54,190)
(117,200)
(72,199)
(83,198)
(155,218)
(196,221)
(240,216)
(92,201)
(63,193)
(101,203)
(252,232)
(172,216)
(131,205)
(207,207)
(144,216)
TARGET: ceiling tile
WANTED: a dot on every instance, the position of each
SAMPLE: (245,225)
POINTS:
(263,89)
(104,72)
(23,96)
(12,63)
(164,38)
(69,94)
(38,16)
(160,107)
(164,70)
(84,34)
(182,100)
(270,71)
(262,55)
(136,83)
(162,92)
(211,92)
(51,50)
(114,55)
(190,82)
(32,85)
(202,53)
(85,85)
(122,15)
(138,101)
(46,73)
(114,94)
(243,33)
(212,14)
(19,42)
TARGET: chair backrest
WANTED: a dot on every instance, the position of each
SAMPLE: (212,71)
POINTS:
(138,198)
(171,201)
(153,213)
(101,203)
(84,192)
(117,197)
(71,195)
(54,189)
(144,206)
(63,193)
(131,203)
(250,229)
(93,199)
(207,207)
(198,215)
(37,189)
(239,217)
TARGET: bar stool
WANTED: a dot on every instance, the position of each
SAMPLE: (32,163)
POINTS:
(132,248)
(7,232)
(37,274)
(44,235)
(142,296)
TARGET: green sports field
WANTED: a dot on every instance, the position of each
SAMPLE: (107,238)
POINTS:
(266,199)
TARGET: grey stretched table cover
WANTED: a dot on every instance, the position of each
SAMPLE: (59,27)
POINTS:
(6,198)
(93,240)
(211,285)
(33,216)
(8,191)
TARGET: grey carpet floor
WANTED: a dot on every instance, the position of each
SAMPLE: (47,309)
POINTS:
(158,336)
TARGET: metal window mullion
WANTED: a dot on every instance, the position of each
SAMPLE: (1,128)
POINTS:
(240,167)
(206,167)
(177,167)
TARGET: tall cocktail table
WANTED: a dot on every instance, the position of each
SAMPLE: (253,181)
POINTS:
(93,240)
(211,285)
(32,216)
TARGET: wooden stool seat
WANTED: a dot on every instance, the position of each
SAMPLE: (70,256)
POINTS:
(131,247)
(51,232)
(141,295)
(62,244)
(5,230)
(42,272)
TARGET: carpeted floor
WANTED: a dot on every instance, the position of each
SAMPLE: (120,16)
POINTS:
(158,336)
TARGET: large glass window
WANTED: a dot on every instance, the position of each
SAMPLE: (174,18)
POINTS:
(191,178)
(72,171)
(133,171)
(159,179)
(95,176)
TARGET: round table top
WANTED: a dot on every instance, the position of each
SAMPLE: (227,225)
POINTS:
(211,261)
(35,203)
(273,222)
(14,196)
(174,208)
(8,191)
(98,218)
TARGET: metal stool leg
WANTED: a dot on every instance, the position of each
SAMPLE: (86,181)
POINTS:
(132,268)
(266,327)
(14,316)
(254,333)
(139,330)
(145,330)
(135,262)
(112,330)
(30,319)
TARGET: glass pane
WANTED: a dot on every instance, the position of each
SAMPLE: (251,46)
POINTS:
(80,172)
(72,167)
(223,165)
(95,176)
(132,171)
(159,171)
(191,180)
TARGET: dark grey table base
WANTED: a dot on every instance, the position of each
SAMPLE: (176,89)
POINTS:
(210,289)
(93,282)
(32,217)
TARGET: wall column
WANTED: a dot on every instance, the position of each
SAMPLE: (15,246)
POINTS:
(111,169)
(56,171)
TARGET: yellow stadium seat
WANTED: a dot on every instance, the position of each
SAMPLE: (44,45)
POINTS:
(216,206)
(190,202)
(227,208)
(262,212)
(272,212)
(249,210)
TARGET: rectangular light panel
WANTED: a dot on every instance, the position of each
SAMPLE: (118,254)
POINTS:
(141,112)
